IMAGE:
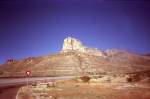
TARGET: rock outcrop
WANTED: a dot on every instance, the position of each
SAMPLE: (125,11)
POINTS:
(10,61)
(73,44)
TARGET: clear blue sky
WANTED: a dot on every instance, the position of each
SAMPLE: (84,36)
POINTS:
(38,27)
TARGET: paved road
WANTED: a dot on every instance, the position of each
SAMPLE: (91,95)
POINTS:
(20,81)
(10,86)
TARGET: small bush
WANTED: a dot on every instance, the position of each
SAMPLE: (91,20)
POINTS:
(1,72)
(85,78)
(129,79)
(34,84)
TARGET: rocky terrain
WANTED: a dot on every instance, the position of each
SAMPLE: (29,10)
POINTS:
(77,89)
(76,59)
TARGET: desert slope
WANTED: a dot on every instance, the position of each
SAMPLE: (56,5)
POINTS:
(75,59)
(74,63)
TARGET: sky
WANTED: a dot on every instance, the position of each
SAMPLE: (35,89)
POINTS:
(38,27)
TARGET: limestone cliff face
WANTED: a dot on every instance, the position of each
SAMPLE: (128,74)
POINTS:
(73,44)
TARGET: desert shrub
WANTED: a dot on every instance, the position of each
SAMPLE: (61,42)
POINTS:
(85,78)
(134,78)
(1,72)
(34,84)
(129,79)
(49,85)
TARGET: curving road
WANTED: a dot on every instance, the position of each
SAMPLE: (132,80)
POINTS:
(10,86)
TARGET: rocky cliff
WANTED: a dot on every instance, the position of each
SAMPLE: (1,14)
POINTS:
(73,44)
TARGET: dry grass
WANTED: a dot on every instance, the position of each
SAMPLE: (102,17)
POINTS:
(25,93)
(74,89)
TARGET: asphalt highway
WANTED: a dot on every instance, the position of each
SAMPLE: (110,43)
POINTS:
(10,86)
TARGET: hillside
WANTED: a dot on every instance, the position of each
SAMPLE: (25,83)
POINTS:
(75,59)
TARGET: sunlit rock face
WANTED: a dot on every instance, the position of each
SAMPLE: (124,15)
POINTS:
(73,44)
(94,51)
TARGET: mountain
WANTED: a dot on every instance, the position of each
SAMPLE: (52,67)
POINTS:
(148,54)
(76,59)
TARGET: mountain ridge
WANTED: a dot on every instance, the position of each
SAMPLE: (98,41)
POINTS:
(75,59)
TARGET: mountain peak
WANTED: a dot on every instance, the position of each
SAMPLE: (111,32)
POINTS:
(73,44)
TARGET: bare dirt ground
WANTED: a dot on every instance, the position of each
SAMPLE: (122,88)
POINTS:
(73,89)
